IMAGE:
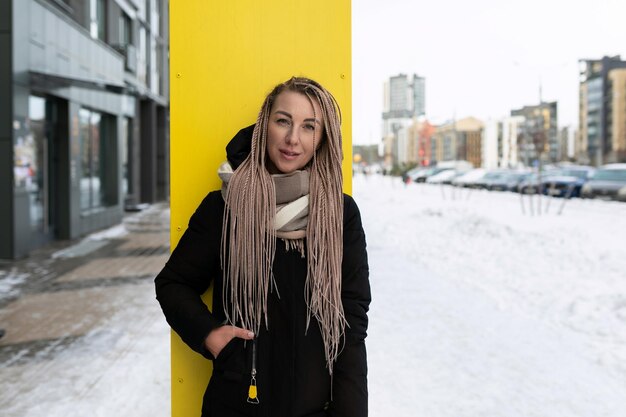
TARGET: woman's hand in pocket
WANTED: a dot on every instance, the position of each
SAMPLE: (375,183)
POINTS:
(220,337)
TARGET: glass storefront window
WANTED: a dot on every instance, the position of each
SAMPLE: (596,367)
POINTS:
(31,158)
(127,126)
(98,183)
(85,160)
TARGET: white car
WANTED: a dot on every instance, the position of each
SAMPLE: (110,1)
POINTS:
(442,177)
(469,178)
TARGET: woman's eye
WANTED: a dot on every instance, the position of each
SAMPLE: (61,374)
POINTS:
(283,122)
(309,127)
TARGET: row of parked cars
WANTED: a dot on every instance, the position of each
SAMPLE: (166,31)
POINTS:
(606,182)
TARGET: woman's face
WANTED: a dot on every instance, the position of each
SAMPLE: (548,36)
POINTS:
(293,132)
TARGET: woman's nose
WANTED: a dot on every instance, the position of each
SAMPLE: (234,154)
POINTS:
(292,136)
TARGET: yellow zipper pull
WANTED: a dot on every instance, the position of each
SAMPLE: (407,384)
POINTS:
(252,392)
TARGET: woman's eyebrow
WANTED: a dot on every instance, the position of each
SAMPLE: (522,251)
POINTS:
(310,119)
(284,113)
(313,120)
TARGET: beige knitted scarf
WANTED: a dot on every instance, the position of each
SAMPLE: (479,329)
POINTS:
(292,204)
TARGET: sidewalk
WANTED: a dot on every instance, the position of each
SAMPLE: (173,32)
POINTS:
(84,333)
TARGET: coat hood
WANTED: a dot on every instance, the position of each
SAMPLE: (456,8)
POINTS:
(239,147)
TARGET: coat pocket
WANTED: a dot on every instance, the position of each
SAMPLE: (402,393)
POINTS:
(232,359)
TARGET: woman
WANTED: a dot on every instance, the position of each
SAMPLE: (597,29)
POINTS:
(286,252)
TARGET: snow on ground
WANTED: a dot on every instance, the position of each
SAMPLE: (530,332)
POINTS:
(481,310)
(9,283)
(478,310)
(119,369)
(113,232)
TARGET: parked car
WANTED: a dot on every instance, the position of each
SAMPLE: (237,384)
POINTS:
(411,173)
(423,175)
(469,178)
(567,181)
(460,165)
(489,177)
(506,181)
(607,182)
(443,177)
(533,182)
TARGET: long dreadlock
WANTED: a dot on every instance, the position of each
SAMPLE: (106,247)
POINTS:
(248,239)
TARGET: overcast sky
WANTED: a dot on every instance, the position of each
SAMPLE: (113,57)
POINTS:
(480,58)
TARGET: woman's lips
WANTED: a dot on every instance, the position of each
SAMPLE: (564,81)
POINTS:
(289,155)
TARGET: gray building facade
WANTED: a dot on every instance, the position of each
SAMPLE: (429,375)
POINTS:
(404,97)
(404,101)
(84,116)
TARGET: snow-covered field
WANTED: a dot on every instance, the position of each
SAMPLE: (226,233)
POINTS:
(481,310)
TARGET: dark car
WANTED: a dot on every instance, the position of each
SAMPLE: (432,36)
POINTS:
(607,182)
(567,181)
(533,183)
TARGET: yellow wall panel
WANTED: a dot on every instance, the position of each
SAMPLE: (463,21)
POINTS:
(225,56)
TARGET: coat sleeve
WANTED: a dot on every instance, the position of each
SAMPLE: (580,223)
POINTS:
(350,370)
(188,273)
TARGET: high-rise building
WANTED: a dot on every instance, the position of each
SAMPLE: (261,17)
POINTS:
(602,110)
(538,135)
(419,95)
(84,116)
(404,99)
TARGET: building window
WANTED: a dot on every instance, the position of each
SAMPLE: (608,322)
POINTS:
(98,183)
(159,69)
(142,61)
(148,12)
(98,19)
(126,34)
(159,11)
(153,76)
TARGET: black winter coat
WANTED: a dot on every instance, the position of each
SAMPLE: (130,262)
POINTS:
(292,377)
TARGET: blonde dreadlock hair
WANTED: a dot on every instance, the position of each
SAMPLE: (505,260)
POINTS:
(249,240)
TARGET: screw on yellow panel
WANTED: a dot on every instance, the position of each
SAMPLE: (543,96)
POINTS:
(233,54)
